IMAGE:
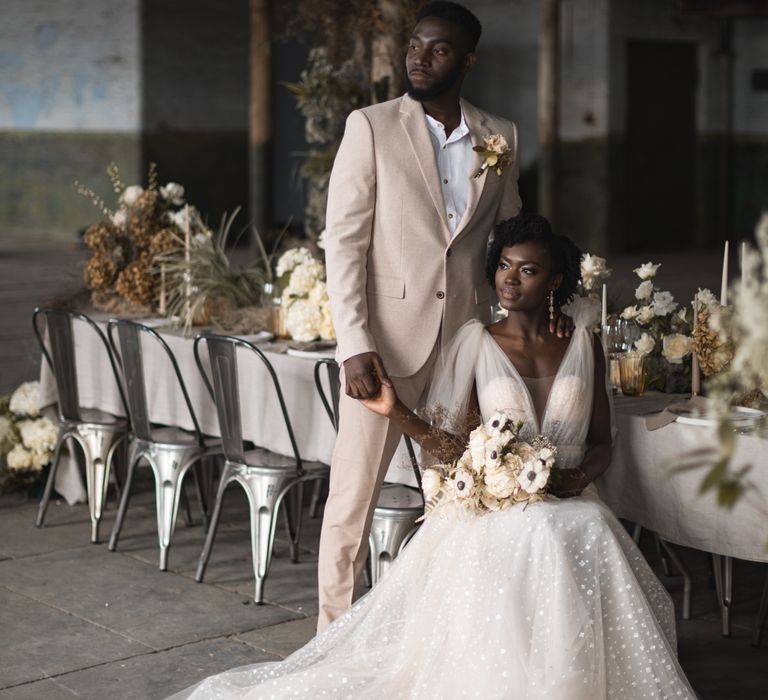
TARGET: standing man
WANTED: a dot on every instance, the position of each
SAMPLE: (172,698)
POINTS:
(407,226)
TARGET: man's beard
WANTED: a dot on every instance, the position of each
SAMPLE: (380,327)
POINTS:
(438,89)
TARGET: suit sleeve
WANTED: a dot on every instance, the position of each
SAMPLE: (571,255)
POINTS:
(348,230)
(511,203)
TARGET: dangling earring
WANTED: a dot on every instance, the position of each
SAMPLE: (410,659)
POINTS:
(551,305)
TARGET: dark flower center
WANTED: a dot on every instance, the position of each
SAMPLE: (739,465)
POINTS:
(494,454)
(460,485)
(495,424)
(532,475)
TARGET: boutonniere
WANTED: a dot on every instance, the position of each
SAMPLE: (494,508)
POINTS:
(495,154)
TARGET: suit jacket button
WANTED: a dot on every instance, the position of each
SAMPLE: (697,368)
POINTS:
(440,295)
(448,253)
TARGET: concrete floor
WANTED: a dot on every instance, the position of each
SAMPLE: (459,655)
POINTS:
(79,621)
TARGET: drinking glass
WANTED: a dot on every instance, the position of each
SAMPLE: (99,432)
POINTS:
(632,373)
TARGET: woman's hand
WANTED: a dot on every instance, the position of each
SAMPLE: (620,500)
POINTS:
(571,483)
(383,403)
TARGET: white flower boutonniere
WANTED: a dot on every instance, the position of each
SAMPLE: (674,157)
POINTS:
(495,154)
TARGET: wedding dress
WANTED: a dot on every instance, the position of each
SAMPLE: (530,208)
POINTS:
(552,601)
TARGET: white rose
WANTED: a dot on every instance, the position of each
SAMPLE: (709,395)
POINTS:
(675,348)
(645,344)
(644,290)
(477,440)
(496,143)
(25,401)
(630,313)
(18,458)
(463,483)
(646,271)
(173,192)
(663,303)
(682,314)
(38,435)
(593,269)
(131,194)
(431,483)
(500,483)
(645,314)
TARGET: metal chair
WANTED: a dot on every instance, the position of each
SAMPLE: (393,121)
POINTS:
(762,615)
(97,433)
(169,451)
(398,507)
(270,480)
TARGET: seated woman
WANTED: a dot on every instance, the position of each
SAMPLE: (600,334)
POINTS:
(552,600)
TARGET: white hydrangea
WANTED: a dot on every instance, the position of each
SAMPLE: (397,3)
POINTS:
(39,460)
(38,435)
(327,331)
(25,401)
(173,193)
(319,293)
(304,277)
(19,458)
(292,258)
(303,320)
(663,303)
(131,194)
(321,240)
(646,271)
(644,290)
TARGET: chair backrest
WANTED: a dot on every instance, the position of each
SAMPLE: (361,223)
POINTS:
(224,388)
(61,357)
(331,406)
(129,334)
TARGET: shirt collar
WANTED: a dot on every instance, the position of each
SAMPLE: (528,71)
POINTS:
(439,129)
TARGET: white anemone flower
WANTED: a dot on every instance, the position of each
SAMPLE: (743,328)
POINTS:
(463,483)
(533,477)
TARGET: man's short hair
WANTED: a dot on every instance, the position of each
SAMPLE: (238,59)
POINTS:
(458,14)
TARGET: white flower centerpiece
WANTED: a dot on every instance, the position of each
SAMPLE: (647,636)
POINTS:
(27,439)
(496,470)
(665,332)
(305,305)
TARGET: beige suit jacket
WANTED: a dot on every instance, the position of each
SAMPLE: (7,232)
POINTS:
(396,278)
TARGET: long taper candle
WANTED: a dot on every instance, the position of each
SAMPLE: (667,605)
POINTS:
(741,262)
(724,284)
(604,320)
(695,373)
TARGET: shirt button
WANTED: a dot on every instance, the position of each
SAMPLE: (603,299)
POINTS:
(450,216)
(445,182)
(440,295)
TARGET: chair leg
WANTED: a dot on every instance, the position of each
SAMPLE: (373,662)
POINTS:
(724,584)
(43,507)
(214,523)
(636,533)
(122,508)
(317,492)
(762,614)
(116,471)
(97,445)
(292,503)
(198,472)
(661,551)
(672,554)
(186,509)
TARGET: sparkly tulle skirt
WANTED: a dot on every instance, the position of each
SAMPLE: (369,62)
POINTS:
(550,601)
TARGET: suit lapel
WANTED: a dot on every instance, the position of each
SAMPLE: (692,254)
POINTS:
(477,130)
(415,126)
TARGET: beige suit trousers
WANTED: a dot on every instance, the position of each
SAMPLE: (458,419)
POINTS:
(365,445)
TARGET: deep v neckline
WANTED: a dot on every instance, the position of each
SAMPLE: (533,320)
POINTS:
(531,408)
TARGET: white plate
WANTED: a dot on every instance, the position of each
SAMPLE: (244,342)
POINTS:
(740,416)
(260,337)
(329,353)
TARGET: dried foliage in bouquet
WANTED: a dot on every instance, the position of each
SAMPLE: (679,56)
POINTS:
(120,272)
(713,351)
(497,470)
(27,439)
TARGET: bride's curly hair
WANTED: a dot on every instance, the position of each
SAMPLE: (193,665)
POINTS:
(525,227)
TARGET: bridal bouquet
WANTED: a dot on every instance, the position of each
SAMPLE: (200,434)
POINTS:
(497,469)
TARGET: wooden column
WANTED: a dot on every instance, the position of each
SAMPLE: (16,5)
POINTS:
(260,111)
(549,82)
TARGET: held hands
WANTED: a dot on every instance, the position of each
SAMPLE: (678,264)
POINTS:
(384,403)
(364,375)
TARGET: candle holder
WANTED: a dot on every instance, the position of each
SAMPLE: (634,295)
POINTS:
(619,337)
(272,299)
(632,371)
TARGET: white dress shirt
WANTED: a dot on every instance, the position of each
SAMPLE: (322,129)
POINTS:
(453,156)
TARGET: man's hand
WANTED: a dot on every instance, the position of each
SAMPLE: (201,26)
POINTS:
(364,374)
(383,403)
(562,325)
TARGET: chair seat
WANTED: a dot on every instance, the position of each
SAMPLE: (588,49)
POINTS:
(97,417)
(259,457)
(397,498)
(170,435)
